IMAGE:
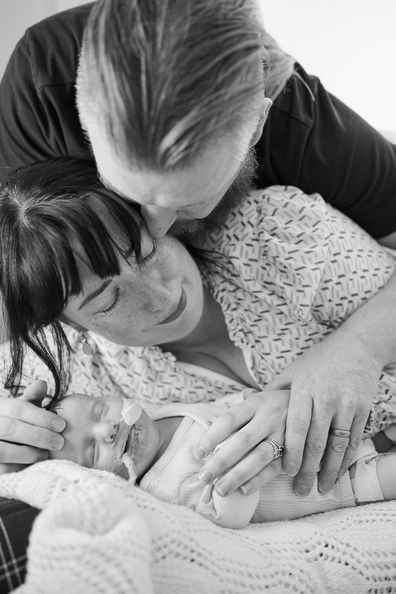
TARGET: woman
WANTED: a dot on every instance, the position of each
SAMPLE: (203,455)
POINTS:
(270,283)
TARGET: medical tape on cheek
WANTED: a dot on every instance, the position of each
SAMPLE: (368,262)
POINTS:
(130,413)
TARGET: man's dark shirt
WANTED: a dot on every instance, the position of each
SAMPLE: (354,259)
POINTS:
(311,139)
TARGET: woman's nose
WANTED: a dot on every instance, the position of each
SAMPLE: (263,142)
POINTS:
(106,431)
(158,219)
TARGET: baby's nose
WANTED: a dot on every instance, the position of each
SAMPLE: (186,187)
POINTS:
(107,432)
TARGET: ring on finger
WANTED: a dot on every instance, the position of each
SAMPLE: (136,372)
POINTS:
(339,432)
(277,449)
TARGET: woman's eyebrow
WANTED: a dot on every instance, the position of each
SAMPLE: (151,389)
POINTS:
(95,293)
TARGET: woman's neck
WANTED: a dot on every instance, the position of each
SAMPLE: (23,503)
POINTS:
(210,346)
(211,328)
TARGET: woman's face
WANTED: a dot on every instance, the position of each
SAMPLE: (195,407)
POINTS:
(156,302)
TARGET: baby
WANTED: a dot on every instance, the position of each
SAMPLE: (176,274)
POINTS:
(118,435)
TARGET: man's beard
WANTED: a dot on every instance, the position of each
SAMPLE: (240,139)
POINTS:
(236,193)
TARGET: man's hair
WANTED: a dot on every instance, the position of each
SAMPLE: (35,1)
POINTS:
(47,211)
(164,78)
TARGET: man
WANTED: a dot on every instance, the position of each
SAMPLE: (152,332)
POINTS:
(173,97)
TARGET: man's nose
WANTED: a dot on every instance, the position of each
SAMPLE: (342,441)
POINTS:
(158,219)
(106,431)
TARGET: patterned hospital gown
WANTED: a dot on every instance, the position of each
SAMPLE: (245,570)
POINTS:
(286,269)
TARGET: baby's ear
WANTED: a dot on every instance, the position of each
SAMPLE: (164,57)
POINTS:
(52,403)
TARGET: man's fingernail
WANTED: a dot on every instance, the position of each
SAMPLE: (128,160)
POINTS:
(324,487)
(57,442)
(302,490)
(58,424)
(205,476)
(200,452)
(220,489)
(290,469)
(247,488)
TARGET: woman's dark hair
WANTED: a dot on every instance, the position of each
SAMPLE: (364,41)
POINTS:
(46,210)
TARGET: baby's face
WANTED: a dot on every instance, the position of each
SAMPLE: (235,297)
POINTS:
(96,436)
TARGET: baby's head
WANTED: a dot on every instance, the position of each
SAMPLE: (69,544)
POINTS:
(107,434)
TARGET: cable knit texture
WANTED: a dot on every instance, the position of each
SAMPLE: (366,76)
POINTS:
(100,534)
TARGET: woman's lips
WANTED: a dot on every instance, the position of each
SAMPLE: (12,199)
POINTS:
(178,311)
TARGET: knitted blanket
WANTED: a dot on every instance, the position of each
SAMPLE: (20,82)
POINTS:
(98,534)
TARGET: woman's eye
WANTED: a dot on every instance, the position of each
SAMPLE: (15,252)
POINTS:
(114,304)
(151,255)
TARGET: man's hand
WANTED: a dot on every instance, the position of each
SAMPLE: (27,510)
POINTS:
(332,388)
(244,457)
(27,431)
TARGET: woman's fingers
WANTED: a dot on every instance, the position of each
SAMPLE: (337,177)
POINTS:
(13,454)
(227,455)
(35,392)
(262,478)
(24,423)
(13,410)
(245,471)
(239,435)
(222,427)
(6,468)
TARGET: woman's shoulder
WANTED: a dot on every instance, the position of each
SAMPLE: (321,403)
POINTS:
(280,216)
(285,202)
(273,246)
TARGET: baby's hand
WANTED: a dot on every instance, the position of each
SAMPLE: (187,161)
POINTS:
(245,457)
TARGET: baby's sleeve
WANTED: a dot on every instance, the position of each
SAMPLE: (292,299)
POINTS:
(232,511)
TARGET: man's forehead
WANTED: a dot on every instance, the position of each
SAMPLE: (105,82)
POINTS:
(210,175)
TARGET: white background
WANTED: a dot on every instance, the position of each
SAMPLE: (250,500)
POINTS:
(349,44)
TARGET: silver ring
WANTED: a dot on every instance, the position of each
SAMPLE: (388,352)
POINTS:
(339,432)
(276,448)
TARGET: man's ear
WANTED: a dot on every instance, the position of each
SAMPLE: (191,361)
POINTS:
(263,118)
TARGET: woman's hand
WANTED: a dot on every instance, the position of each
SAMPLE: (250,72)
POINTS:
(27,431)
(244,457)
(332,388)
